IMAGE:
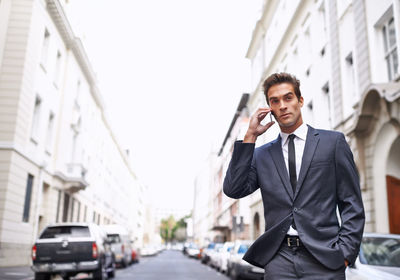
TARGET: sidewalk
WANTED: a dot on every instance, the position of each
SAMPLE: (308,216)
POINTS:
(16,272)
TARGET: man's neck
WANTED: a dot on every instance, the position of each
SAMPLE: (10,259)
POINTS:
(292,128)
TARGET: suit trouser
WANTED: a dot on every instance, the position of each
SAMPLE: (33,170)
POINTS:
(298,263)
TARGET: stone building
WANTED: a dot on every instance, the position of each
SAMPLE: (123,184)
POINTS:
(59,158)
(346,56)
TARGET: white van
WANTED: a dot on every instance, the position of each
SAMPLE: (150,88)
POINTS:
(120,241)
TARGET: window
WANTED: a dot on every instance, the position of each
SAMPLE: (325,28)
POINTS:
(326,102)
(36,119)
(78,94)
(57,68)
(50,128)
(58,205)
(85,214)
(243,249)
(79,212)
(349,76)
(71,218)
(65,231)
(349,59)
(310,112)
(66,207)
(74,143)
(390,47)
(45,48)
(310,105)
(28,196)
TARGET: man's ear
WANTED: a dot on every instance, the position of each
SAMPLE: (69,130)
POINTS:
(301,101)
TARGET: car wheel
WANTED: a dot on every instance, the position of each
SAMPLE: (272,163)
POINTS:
(100,273)
(42,276)
(234,275)
(111,274)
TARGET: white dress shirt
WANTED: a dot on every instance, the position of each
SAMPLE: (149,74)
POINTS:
(299,143)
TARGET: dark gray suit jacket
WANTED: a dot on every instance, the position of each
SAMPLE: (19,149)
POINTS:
(328,180)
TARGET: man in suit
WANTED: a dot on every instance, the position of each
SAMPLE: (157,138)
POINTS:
(305,176)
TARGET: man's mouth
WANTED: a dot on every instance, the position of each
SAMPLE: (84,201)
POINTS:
(285,115)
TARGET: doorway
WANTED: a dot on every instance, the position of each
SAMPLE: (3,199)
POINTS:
(393,186)
(393,194)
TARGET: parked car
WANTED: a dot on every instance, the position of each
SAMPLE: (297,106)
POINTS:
(223,256)
(239,268)
(379,258)
(120,244)
(148,251)
(193,250)
(177,246)
(213,254)
(67,249)
(135,253)
(205,258)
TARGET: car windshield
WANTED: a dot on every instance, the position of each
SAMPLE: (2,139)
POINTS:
(243,249)
(113,238)
(65,231)
(211,246)
(382,251)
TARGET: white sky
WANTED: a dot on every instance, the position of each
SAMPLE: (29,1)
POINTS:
(171,74)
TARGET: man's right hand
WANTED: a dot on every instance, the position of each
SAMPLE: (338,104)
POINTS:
(255,127)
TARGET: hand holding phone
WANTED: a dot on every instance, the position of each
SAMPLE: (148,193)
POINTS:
(255,127)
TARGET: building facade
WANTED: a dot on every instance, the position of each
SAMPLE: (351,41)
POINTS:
(216,217)
(345,54)
(60,161)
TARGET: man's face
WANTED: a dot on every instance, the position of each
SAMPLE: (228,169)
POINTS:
(286,106)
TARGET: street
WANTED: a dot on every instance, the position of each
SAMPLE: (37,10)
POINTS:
(171,265)
(166,265)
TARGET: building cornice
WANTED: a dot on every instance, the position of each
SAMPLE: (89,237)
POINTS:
(261,26)
(242,104)
(72,42)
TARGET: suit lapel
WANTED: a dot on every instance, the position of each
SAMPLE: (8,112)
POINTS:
(309,149)
(277,156)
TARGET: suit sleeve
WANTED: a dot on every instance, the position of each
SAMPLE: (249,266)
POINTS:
(350,203)
(241,176)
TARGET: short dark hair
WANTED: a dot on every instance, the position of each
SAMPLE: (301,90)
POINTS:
(280,78)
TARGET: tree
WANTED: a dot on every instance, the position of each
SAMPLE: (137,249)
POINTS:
(171,230)
(167,229)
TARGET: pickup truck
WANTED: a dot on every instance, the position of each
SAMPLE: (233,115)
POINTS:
(67,249)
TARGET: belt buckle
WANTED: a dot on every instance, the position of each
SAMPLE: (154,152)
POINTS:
(291,238)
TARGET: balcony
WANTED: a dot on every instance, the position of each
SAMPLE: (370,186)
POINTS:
(74,178)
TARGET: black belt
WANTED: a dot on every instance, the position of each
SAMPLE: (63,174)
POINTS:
(292,241)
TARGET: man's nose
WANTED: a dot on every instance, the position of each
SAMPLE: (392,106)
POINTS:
(282,105)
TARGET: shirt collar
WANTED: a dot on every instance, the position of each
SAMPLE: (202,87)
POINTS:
(300,132)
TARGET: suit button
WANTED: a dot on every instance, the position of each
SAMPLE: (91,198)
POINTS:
(295,209)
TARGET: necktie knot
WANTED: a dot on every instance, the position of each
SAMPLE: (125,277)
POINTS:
(291,137)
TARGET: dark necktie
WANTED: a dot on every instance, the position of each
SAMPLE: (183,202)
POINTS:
(292,167)
(292,162)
